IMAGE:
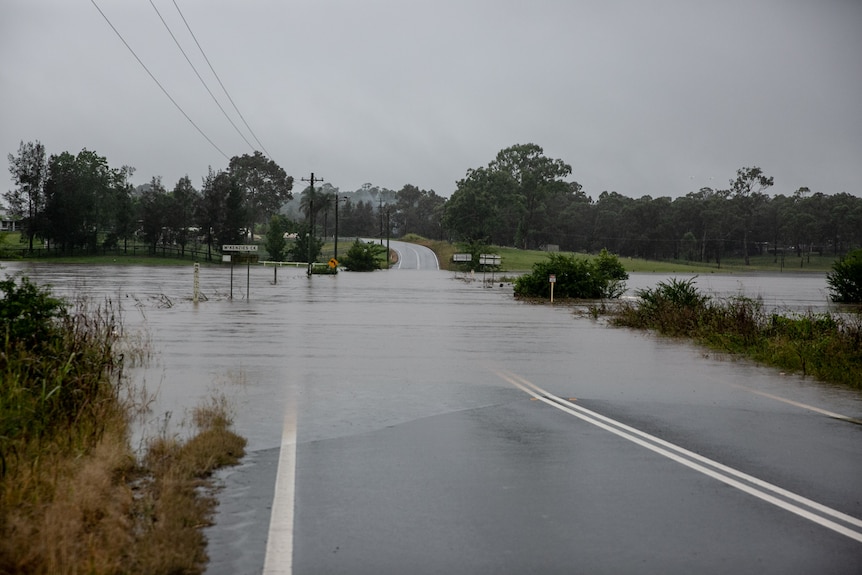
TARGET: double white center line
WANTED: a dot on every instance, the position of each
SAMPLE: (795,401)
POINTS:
(837,521)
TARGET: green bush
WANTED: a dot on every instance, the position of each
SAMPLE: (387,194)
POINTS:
(276,245)
(29,314)
(363,257)
(596,278)
(675,306)
(845,279)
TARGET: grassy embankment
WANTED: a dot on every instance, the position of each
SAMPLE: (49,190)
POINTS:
(826,346)
(515,260)
(74,496)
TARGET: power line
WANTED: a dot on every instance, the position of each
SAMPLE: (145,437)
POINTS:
(256,139)
(241,135)
(120,36)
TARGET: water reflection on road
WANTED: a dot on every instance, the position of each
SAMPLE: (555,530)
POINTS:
(361,337)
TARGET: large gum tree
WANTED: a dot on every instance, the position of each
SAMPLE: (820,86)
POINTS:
(265,185)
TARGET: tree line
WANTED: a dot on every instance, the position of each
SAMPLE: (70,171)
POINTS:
(521,198)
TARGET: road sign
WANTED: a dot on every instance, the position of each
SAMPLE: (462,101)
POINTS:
(489,259)
(239,248)
(552,278)
(462,257)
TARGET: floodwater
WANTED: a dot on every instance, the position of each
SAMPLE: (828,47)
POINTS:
(360,353)
(283,333)
(788,291)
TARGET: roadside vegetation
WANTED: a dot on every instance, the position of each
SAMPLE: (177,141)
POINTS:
(74,496)
(596,278)
(364,257)
(826,346)
(845,279)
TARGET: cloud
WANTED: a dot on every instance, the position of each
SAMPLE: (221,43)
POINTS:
(637,97)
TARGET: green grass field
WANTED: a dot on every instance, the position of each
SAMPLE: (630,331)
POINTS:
(513,259)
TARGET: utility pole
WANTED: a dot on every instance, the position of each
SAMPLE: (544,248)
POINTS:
(337,201)
(311,180)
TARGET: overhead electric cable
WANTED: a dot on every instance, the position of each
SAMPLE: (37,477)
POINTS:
(241,135)
(256,139)
(174,102)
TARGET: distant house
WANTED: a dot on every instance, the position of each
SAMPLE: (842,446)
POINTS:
(8,223)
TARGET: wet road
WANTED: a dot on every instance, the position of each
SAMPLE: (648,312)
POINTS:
(414,257)
(427,424)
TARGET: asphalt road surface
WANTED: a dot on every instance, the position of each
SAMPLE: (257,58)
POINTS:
(414,257)
(412,422)
(457,435)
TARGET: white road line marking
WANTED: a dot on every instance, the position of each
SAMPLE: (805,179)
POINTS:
(825,412)
(279,543)
(418,262)
(697,462)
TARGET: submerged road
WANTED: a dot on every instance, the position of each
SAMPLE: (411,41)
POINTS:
(468,439)
(412,422)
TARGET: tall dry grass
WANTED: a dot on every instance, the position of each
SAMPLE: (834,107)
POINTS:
(74,496)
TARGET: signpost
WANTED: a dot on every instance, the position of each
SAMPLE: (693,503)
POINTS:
(488,260)
(552,279)
(240,248)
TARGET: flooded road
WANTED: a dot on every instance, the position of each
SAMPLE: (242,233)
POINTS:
(442,427)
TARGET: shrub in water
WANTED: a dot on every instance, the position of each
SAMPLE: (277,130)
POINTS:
(845,279)
(600,277)
(363,257)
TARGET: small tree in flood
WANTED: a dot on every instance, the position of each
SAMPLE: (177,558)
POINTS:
(306,245)
(363,257)
(596,278)
(845,279)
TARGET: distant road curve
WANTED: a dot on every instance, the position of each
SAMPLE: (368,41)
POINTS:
(411,256)
(414,256)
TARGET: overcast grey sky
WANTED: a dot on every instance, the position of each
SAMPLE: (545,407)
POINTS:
(657,97)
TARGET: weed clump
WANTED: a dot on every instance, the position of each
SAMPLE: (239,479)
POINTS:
(74,497)
(826,346)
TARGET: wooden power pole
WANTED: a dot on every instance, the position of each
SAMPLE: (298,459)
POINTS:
(311,180)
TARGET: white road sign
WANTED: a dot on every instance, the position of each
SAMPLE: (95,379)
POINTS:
(239,248)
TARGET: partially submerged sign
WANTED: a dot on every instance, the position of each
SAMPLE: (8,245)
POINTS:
(249,252)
